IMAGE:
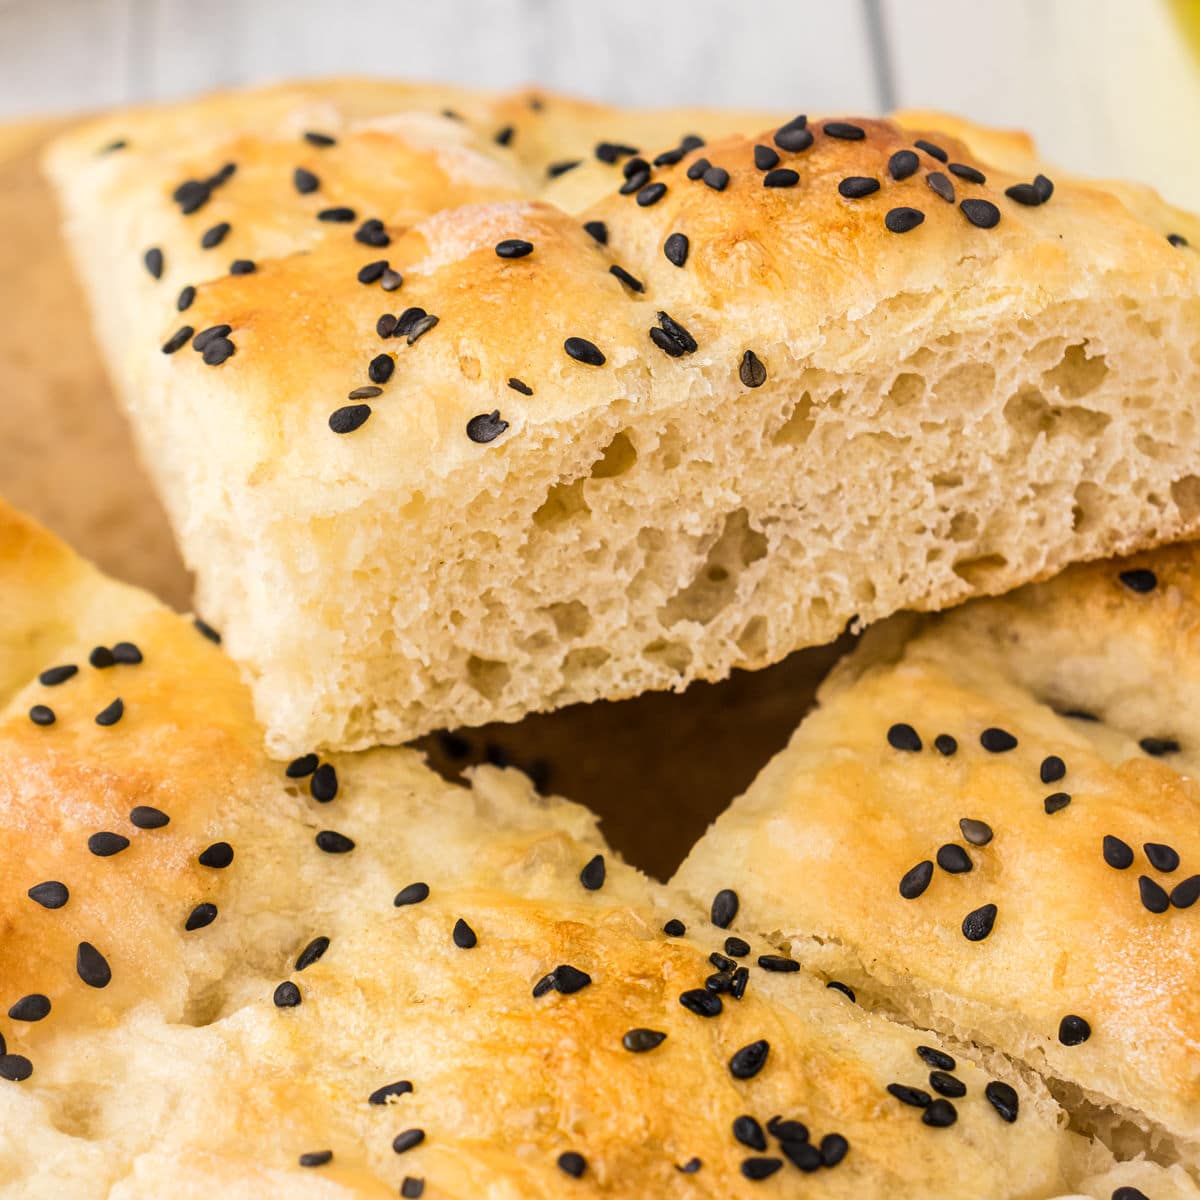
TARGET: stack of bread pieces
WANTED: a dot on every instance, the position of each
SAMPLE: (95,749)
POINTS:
(466,406)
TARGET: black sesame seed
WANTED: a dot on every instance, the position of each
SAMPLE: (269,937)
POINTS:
(781,177)
(1117,854)
(801,1154)
(593,873)
(609,152)
(304,181)
(765,158)
(902,164)
(105,845)
(504,136)
(380,368)
(672,338)
(486,427)
(737,947)
(572,1163)
(1129,1193)
(53,894)
(413,893)
(1073,1030)
(568,980)
(675,249)
(312,952)
(405,1141)
(855,187)
(929,148)
(42,714)
(1177,239)
(543,985)
(1052,769)
(1003,1098)
(757,1169)
(844,130)
(739,982)
(751,371)
(1154,896)
(997,741)
(716,178)
(555,169)
(902,220)
(652,193)
(970,174)
(205,630)
(778,963)
(940,1114)
(630,281)
(701,1002)
(366,392)
(217,351)
(724,908)
(201,341)
(178,339)
(674,928)
(598,231)
(15,1067)
(938,1059)
(101,657)
(513,248)
(340,214)
(1158,746)
(978,923)
(947,1085)
(1184,894)
(287,995)
(300,767)
(721,961)
(750,1059)
(349,418)
(787,1131)
(1023,193)
(638,1041)
(749,1132)
(200,916)
(518,385)
(912,1096)
(319,139)
(34,1007)
(838,986)
(386,325)
(214,236)
(581,350)
(316,1158)
(333,842)
(153,260)
(53,676)
(668,158)
(954,859)
(1056,802)
(390,280)
(373,271)
(146,817)
(795,136)
(372,233)
(192,195)
(119,144)
(834,1148)
(696,170)
(978,833)
(217,856)
(91,966)
(940,185)
(127,654)
(980,212)
(413,1188)
(916,880)
(1139,580)
(904,737)
(401,1087)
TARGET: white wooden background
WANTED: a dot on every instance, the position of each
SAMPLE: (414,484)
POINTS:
(1107,86)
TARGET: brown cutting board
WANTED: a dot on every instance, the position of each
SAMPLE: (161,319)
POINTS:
(657,769)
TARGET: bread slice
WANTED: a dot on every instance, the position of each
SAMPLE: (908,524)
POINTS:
(612,466)
(274,981)
(1041,750)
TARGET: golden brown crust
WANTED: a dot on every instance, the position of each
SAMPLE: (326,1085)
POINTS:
(1095,668)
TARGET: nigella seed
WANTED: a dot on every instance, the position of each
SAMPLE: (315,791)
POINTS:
(1073,1030)
(53,676)
(185,298)
(749,1132)
(153,260)
(932,150)
(855,187)
(413,893)
(555,169)
(750,1059)
(372,233)
(1052,769)
(787,1131)
(571,1163)
(340,214)
(947,1085)
(581,350)
(696,170)
(795,136)
(671,337)
(970,174)
(597,230)
(217,351)
(904,737)
(53,894)
(300,767)
(126,653)
(802,1155)
(1056,802)
(1158,746)
(778,963)
(639,1041)
(215,236)
(413,1188)
(651,194)
(913,1097)
(716,178)
(844,130)
(751,371)
(390,280)
(1004,1099)
(287,995)
(757,1169)
(312,952)
(916,880)
(674,928)
(940,1114)
(487,427)
(349,418)
(205,630)
(568,979)
(954,859)
(405,1141)
(701,1002)
(333,842)
(834,1148)
(304,181)
(737,947)
(675,249)
(978,924)
(178,339)
(521,386)
(101,657)
(940,185)
(316,1158)
(504,136)
(319,139)
(373,271)
(982,213)
(938,1059)
(838,986)
(91,966)
(15,1067)
(217,857)
(1177,239)
(206,336)
(42,714)
(513,248)
(1140,580)
(144,816)
(1118,854)
(401,1087)
(1154,896)
(724,908)
(997,741)
(903,220)
(200,916)
(765,158)
(978,833)
(630,281)
(593,873)
(902,164)
(367,392)
(380,368)
(781,177)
